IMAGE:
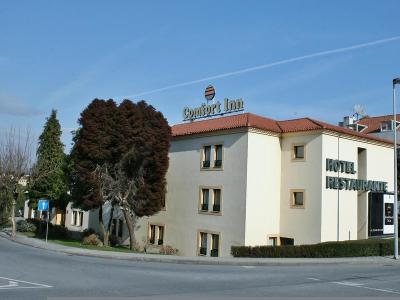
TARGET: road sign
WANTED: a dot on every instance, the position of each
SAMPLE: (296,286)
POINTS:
(43,205)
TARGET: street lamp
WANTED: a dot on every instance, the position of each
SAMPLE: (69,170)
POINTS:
(395,213)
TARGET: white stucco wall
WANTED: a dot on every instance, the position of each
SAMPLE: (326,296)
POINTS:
(263,188)
(301,224)
(182,219)
(351,222)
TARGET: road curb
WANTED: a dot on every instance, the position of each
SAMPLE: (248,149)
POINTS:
(230,261)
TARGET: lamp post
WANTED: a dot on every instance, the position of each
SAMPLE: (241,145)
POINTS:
(395,206)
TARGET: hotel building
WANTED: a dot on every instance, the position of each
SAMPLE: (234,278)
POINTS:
(249,180)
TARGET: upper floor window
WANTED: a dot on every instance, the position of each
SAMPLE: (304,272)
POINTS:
(218,156)
(206,156)
(205,194)
(210,200)
(298,152)
(212,157)
(217,200)
(297,198)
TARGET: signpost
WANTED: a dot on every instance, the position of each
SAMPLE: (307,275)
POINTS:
(43,205)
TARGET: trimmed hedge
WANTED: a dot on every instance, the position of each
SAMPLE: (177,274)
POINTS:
(370,247)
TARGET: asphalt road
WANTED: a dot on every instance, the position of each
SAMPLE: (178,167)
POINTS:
(30,273)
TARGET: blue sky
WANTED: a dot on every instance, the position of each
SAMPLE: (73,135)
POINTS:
(63,54)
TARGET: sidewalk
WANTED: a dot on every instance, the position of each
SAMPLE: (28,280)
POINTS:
(197,260)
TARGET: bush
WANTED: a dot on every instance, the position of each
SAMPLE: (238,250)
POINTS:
(370,247)
(26,226)
(58,232)
(168,250)
(92,240)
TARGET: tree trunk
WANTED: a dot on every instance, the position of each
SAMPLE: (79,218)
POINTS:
(130,225)
(14,226)
(102,228)
(110,222)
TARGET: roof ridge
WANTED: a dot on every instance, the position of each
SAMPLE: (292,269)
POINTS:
(317,122)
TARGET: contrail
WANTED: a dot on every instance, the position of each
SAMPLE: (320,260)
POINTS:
(269,65)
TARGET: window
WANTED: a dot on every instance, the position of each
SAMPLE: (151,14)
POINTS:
(203,243)
(210,200)
(287,241)
(206,156)
(152,237)
(218,156)
(204,199)
(80,218)
(77,218)
(160,235)
(217,200)
(214,245)
(273,241)
(156,234)
(298,152)
(74,217)
(297,198)
(207,249)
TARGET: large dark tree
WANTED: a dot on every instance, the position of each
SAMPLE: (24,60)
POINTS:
(48,173)
(121,155)
(145,160)
(96,143)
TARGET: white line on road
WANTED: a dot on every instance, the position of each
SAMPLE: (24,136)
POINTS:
(315,279)
(361,286)
(13,283)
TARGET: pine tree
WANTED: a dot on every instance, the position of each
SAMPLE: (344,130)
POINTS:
(48,176)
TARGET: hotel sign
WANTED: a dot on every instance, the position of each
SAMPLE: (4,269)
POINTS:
(351,184)
(213,109)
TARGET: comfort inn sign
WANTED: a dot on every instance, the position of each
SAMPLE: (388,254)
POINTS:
(213,109)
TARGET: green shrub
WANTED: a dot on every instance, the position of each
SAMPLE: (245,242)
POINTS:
(26,226)
(58,232)
(370,247)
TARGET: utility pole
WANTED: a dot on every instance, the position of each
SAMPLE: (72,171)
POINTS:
(14,203)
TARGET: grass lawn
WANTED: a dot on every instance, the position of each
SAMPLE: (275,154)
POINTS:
(78,244)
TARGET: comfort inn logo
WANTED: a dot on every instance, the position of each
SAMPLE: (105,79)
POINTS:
(213,109)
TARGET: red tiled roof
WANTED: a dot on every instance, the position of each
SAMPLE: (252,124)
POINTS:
(374,123)
(230,122)
(255,121)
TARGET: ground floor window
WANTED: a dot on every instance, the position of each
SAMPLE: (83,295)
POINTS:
(156,234)
(209,244)
(273,241)
(77,218)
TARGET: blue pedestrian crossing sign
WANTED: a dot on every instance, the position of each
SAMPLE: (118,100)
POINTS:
(43,205)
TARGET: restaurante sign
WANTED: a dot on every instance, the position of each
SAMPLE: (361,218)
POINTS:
(351,184)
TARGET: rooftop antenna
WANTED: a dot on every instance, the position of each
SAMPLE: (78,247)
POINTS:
(359,111)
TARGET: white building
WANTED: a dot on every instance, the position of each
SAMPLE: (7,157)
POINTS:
(250,180)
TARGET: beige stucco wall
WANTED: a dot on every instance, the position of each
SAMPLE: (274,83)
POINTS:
(301,224)
(182,219)
(351,222)
(263,188)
